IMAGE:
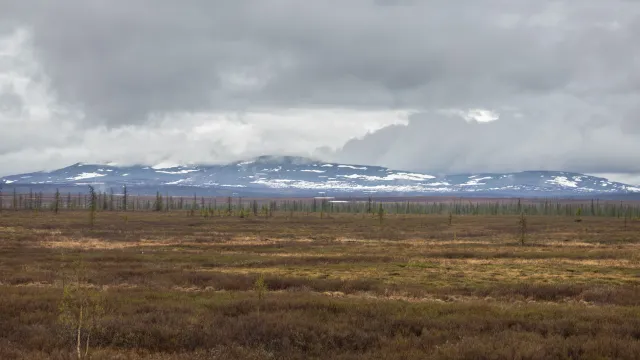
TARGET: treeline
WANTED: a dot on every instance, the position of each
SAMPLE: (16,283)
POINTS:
(237,206)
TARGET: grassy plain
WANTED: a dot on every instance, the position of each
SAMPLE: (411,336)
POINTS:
(344,287)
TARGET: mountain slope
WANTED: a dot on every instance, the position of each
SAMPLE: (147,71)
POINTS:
(297,176)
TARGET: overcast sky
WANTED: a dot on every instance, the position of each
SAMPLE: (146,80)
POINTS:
(437,85)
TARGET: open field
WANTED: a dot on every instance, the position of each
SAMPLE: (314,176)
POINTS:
(344,286)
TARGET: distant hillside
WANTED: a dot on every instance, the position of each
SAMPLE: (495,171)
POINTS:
(298,176)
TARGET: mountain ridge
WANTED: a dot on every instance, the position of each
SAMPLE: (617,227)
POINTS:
(273,175)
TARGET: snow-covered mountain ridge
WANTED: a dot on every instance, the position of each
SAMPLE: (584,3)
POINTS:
(298,176)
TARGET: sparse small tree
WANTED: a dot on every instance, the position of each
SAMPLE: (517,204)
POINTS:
(522,225)
(93,205)
(125,197)
(157,206)
(14,201)
(40,202)
(579,215)
(105,201)
(194,205)
(81,308)
(380,213)
(56,202)
(260,287)
(450,218)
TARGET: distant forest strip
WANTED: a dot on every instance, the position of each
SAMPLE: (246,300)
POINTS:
(239,206)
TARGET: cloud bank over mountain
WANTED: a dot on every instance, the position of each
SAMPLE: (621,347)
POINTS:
(436,85)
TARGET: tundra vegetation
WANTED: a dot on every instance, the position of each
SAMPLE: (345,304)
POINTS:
(102,277)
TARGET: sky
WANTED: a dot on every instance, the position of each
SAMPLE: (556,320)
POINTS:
(438,86)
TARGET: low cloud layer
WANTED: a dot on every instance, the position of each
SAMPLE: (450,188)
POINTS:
(445,143)
(203,81)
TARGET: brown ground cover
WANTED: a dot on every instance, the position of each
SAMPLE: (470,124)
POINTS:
(342,287)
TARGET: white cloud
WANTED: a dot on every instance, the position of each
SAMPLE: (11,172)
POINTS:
(478,115)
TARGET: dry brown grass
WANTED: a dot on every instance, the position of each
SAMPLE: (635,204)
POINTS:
(344,287)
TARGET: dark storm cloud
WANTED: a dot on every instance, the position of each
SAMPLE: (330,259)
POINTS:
(121,60)
(563,73)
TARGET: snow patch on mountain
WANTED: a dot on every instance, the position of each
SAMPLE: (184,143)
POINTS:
(408,176)
(86,176)
(352,167)
(475,181)
(341,186)
(390,177)
(165,165)
(313,171)
(177,172)
(564,181)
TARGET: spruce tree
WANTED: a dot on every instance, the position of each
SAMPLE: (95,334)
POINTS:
(125,197)
(93,205)
(158,204)
(56,202)
(105,202)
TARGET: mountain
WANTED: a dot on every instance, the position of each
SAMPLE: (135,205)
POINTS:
(298,176)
